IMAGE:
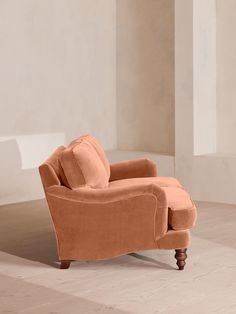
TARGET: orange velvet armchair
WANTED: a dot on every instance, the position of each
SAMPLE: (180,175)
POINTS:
(100,210)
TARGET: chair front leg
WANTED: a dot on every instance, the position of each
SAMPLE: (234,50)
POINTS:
(181,256)
(65,264)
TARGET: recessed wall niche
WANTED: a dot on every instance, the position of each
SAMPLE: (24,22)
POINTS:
(145,76)
(214,83)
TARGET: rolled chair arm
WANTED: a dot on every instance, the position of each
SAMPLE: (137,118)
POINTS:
(133,169)
(135,216)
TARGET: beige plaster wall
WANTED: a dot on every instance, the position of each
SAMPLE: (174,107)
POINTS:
(226,77)
(145,75)
(184,84)
(57,81)
(58,67)
(209,177)
(204,76)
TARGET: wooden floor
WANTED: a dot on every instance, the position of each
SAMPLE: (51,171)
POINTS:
(144,282)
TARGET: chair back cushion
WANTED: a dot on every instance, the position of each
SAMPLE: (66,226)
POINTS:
(51,171)
(84,163)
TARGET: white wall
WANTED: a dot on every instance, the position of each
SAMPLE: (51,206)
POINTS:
(145,75)
(204,76)
(57,81)
(183,79)
(209,177)
(213,75)
(226,81)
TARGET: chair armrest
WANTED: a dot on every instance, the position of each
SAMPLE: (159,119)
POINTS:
(130,200)
(133,169)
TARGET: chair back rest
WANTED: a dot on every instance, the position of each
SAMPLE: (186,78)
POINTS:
(51,171)
(85,164)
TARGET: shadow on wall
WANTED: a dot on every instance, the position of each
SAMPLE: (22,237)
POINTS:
(20,157)
(16,184)
(145,76)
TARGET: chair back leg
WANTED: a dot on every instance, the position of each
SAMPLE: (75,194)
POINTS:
(65,264)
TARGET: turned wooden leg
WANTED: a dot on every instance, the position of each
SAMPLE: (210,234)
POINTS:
(65,264)
(181,257)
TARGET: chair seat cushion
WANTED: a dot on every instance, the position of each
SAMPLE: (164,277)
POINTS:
(181,209)
(160,181)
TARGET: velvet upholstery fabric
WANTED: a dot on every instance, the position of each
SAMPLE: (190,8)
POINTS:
(51,171)
(133,169)
(84,163)
(135,210)
(97,146)
(160,181)
(181,209)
